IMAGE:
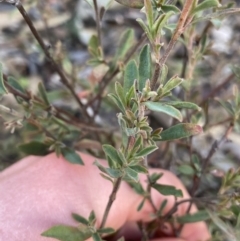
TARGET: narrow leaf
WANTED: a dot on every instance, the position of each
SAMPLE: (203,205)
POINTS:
(34,148)
(161,22)
(149,12)
(167,109)
(186,169)
(71,156)
(113,154)
(106,230)
(140,206)
(125,43)
(167,8)
(192,218)
(67,233)
(139,168)
(132,3)
(206,5)
(100,167)
(92,218)
(162,206)
(145,29)
(172,83)
(167,190)
(120,93)
(114,173)
(179,131)
(79,218)
(3,89)
(132,174)
(43,93)
(117,102)
(145,64)
(130,74)
(96,237)
(183,104)
(14,83)
(155,176)
(146,151)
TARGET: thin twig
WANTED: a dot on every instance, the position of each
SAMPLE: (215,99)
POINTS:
(60,114)
(111,199)
(98,23)
(215,147)
(58,69)
(111,74)
(182,22)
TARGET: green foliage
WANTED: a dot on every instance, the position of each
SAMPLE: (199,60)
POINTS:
(148,83)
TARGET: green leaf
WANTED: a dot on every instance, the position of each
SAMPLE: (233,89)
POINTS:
(93,46)
(101,167)
(138,188)
(34,148)
(164,73)
(145,66)
(132,3)
(146,151)
(227,106)
(140,206)
(149,12)
(113,154)
(155,176)
(167,109)
(192,218)
(106,177)
(113,172)
(167,8)
(145,29)
(186,170)
(15,84)
(3,89)
(79,218)
(120,93)
(71,156)
(106,230)
(172,83)
(167,190)
(117,102)
(179,131)
(43,93)
(67,233)
(133,175)
(206,5)
(183,104)
(96,237)
(92,218)
(139,169)
(162,206)
(130,74)
(161,22)
(125,43)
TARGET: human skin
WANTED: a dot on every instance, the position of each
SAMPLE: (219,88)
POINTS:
(37,193)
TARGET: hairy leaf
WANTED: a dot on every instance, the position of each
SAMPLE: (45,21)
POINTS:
(167,190)
(72,156)
(145,66)
(130,74)
(196,217)
(3,89)
(67,233)
(113,154)
(34,148)
(167,109)
(179,131)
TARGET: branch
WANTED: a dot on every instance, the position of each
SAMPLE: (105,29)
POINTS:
(57,68)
